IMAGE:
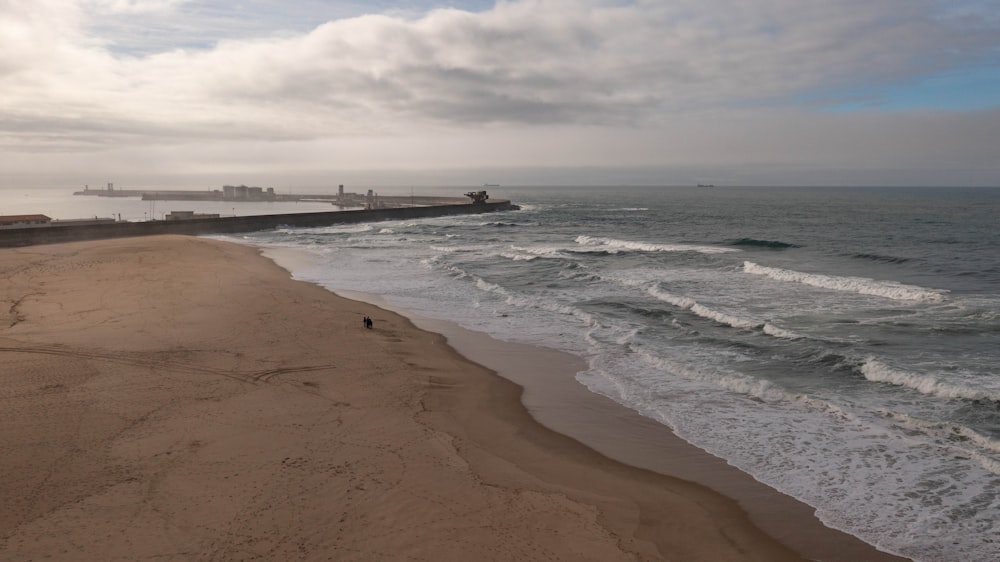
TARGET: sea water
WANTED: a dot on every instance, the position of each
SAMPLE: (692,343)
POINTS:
(841,345)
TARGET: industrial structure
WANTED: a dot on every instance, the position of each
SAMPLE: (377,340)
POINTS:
(42,221)
(477,196)
(23,221)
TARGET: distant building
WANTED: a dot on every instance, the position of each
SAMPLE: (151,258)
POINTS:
(24,221)
(188,215)
(245,193)
(231,192)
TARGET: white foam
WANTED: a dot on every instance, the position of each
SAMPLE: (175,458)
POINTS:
(946,431)
(747,385)
(521,301)
(723,318)
(669,298)
(772,330)
(699,309)
(859,285)
(727,380)
(543,251)
(515,256)
(960,441)
(841,457)
(343,229)
(704,311)
(876,371)
(611,244)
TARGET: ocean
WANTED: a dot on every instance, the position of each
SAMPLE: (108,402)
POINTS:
(841,345)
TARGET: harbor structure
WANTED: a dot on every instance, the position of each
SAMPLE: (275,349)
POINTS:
(23,221)
(188,215)
(189,223)
(43,221)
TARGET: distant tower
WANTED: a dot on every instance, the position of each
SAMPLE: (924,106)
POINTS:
(340,191)
(111,186)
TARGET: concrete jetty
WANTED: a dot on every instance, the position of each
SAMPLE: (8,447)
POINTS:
(13,237)
(249,194)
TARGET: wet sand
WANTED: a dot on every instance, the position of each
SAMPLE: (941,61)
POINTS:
(556,400)
(183,399)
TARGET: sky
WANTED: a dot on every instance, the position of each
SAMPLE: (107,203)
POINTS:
(199,93)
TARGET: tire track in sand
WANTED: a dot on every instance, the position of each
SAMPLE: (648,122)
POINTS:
(263,375)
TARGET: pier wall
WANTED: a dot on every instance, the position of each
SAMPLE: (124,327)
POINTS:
(231,225)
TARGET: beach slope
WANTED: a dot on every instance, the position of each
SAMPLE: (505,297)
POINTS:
(180,398)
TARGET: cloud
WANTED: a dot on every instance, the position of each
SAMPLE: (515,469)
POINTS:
(715,74)
(546,61)
(133,6)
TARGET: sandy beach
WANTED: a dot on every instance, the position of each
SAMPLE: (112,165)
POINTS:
(177,398)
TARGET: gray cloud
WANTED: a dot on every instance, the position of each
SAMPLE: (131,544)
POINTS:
(643,81)
(531,62)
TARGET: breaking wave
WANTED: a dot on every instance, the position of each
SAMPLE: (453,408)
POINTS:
(876,371)
(859,285)
(613,245)
(688,303)
(961,439)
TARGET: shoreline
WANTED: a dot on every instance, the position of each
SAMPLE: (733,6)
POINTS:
(555,399)
(173,397)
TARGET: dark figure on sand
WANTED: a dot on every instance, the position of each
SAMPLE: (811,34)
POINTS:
(368,322)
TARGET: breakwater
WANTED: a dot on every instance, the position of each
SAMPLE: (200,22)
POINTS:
(231,225)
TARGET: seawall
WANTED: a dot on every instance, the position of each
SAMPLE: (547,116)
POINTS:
(232,225)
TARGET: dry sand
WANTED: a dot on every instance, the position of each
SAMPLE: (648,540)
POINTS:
(177,398)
